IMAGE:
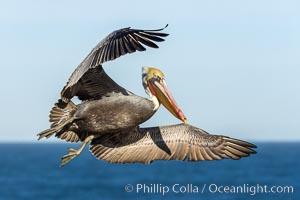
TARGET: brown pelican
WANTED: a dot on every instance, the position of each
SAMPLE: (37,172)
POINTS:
(117,112)
(111,124)
(109,115)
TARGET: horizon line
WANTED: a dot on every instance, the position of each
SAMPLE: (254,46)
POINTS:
(64,142)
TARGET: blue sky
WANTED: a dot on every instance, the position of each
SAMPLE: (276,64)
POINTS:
(232,66)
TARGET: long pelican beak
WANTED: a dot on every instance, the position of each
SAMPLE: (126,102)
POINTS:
(161,91)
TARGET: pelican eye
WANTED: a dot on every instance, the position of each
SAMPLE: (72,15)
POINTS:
(157,77)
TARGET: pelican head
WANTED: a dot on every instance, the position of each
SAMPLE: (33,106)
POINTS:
(155,86)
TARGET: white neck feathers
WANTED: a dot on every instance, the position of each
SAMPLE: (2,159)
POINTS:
(155,102)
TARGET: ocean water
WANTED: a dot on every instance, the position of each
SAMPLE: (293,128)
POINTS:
(31,171)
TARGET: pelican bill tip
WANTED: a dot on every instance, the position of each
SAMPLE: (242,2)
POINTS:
(185,121)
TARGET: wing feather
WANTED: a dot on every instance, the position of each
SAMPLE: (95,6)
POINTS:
(112,50)
(145,41)
(151,37)
(157,33)
(128,45)
(193,154)
(121,45)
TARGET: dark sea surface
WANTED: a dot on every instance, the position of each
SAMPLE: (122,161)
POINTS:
(31,171)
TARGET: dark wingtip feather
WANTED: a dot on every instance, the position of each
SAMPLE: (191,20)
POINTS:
(160,29)
(159,34)
(239,148)
(165,26)
(145,41)
(250,145)
(241,142)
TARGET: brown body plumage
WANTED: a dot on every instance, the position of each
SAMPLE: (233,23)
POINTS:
(97,117)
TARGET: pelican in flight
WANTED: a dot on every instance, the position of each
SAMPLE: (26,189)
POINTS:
(111,124)
(121,111)
(109,115)
(107,107)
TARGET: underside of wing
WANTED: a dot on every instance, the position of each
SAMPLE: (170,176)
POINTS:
(177,142)
(94,84)
(116,44)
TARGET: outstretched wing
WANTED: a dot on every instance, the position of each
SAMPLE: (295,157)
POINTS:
(177,142)
(116,44)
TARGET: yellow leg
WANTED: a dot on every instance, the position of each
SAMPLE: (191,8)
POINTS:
(74,153)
